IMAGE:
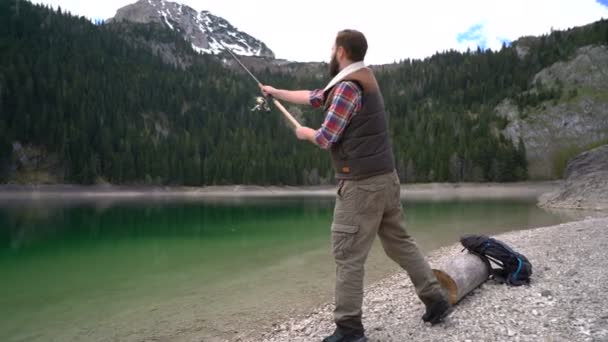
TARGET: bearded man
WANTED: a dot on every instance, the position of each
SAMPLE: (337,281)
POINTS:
(355,131)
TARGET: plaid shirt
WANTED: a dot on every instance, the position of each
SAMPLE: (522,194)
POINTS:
(345,103)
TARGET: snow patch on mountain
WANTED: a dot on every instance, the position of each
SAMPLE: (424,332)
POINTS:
(206,32)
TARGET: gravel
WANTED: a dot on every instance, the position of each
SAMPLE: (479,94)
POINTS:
(566,301)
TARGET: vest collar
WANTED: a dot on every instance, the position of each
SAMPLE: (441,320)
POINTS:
(351,68)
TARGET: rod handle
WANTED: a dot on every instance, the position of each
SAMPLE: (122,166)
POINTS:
(286,114)
(283,110)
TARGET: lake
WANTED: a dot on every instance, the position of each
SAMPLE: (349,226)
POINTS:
(199,269)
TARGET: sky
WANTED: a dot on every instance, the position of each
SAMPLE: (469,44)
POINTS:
(395,30)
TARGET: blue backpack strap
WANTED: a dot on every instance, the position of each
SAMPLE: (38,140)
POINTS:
(520,263)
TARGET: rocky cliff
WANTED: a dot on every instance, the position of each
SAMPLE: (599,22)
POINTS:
(586,184)
(556,129)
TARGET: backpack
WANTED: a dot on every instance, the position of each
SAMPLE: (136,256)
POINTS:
(514,268)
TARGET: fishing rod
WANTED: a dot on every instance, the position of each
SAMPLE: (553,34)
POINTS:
(262,102)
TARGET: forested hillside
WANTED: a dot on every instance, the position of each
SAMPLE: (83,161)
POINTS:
(444,122)
(107,108)
(98,104)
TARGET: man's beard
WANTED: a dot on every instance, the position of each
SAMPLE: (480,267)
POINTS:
(334,66)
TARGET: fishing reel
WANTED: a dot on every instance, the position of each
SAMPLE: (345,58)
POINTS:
(261,105)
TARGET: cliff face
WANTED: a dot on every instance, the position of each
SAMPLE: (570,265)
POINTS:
(556,128)
(586,184)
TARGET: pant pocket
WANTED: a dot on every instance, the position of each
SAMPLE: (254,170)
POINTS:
(339,191)
(395,196)
(343,238)
(370,198)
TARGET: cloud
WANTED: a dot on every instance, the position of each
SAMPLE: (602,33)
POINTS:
(474,35)
(603,2)
(98,21)
(483,36)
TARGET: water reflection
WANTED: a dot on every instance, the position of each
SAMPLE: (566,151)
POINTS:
(23,225)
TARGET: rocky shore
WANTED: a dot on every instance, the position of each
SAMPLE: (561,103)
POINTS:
(566,300)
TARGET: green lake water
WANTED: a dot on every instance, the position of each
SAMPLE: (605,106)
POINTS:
(184,270)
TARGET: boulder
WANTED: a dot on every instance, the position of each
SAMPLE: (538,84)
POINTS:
(585,185)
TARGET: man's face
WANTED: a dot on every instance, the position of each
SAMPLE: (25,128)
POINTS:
(334,66)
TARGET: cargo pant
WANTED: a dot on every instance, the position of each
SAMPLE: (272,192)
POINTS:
(363,209)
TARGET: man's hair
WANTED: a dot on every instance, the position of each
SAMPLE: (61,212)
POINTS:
(354,43)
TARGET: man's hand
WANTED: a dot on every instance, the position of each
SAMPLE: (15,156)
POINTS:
(306,133)
(268,90)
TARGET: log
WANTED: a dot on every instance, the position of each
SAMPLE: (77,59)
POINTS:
(461,275)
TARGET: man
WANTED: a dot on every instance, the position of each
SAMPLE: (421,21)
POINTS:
(355,130)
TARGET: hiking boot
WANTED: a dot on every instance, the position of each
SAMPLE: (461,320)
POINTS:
(339,337)
(437,311)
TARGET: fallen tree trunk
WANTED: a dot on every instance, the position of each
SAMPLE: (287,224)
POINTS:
(461,275)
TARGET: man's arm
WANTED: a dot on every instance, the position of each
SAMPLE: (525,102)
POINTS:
(345,103)
(293,96)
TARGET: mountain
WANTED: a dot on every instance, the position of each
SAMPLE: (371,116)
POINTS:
(206,32)
(134,103)
(84,103)
(572,117)
(564,110)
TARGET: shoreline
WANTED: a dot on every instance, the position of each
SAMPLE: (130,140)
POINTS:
(565,301)
(408,191)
